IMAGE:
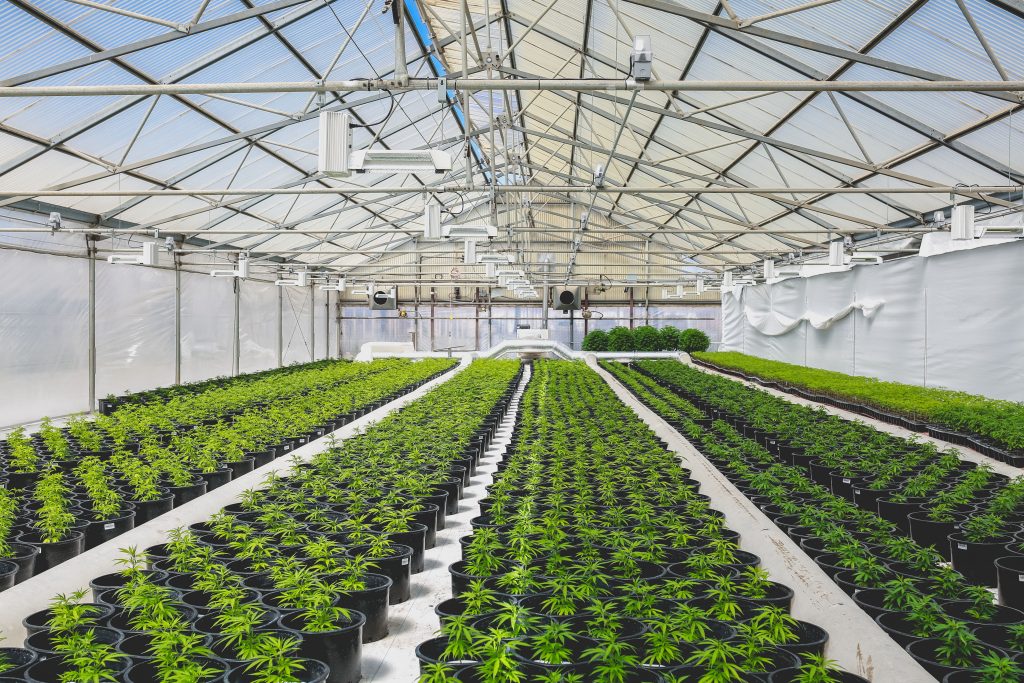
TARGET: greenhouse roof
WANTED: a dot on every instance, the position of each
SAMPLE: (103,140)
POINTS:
(720,139)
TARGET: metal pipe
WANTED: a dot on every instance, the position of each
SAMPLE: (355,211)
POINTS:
(962,190)
(468,85)
(91,248)
(236,340)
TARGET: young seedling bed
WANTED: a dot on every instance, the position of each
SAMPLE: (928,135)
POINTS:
(69,490)
(287,584)
(775,457)
(596,559)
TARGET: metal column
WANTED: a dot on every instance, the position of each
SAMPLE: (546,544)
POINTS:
(90,245)
(177,320)
(280,325)
(236,343)
(312,324)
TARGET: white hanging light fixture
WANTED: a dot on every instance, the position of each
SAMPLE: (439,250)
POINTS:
(149,256)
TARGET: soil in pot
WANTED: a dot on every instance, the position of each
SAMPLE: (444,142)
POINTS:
(790,675)
(340,649)
(924,651)
(39,621)
(146,672)
(54,669)
(18,659)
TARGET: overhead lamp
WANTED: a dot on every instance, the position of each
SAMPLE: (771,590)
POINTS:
(469,252)
(367,289)
(961,225)
(431,220)
(495,257)
(241,269)
(337,159)
(400,161)
(836,253)
(338,286)
(469,232)
(641,59)
(700,286)
(769,269)
(335,144)
(490,270)
(149,256)
(599,176)
(667,293)
(727,279)
(301,280)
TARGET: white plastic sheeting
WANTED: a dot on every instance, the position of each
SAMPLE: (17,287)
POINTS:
(134,328)
(463,328)
(44,323)
(295,325)
(951,320)
(207,324)
(257,326)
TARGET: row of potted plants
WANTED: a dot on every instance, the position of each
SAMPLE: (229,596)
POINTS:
(989,426)
(112,402)
(596,558)
(286,584)
(953,627)
(968,513)
(72,502)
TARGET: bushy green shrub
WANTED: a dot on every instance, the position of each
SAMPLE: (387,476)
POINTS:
(596,341)
(646,338)
(669,338)
(621,339)
(693,340)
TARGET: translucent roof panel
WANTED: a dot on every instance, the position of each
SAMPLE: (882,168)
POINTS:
(675,145)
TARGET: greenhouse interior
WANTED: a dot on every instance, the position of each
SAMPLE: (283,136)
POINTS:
(511,341)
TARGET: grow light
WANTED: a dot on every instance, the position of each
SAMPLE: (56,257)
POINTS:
(338,286)
(301,280)
(241,270)
(470,232)
(149,256)
(400,161)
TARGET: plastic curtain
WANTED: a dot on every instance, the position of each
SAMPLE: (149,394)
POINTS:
(257,326)
(947,321)
(295,325)
(134,328)
(44,325)
(207,326)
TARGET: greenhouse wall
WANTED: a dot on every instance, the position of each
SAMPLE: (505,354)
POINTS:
(951,320)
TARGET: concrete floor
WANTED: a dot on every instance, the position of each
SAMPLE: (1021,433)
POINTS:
(393,659)
(856,642)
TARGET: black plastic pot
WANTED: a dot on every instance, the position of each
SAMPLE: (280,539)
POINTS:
(101,531)
(813,639)
(396,567)
(241,467)
(189,492)
(217,478)
(19,660)
(53,669)
(52,554)
(415,538)
(39,621)
(976,561)
(1010,580)
(340,649)
(431,652)
(24,556)
(928,532)
(146,510)
(790,675)
(924,652)
(8,574)
(146,671)
(42,644)
(372,603)
(428,518)
(314,671)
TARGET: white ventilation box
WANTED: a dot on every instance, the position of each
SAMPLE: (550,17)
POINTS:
(335,144)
